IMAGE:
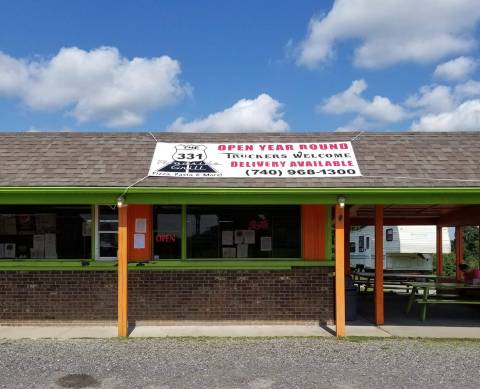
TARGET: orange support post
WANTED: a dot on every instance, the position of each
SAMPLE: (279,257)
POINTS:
(347,241)
(122,271)
(439,251)
(340,270)
(379,311)
(458,251)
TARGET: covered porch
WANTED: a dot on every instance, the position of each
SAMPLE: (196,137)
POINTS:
(386,306)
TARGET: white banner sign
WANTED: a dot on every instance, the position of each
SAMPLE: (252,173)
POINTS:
(286,160)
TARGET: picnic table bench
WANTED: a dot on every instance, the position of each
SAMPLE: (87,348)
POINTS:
(427,298)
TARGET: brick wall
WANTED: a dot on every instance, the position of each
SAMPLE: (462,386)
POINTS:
(257,295)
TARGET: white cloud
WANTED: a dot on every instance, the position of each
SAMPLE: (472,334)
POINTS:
(444,108)
(36,129)
(262,114)
(98,85)
(357,124)
(466,117)
(351,101)
(470,88)
(392,31)
(457,69)
(432,99)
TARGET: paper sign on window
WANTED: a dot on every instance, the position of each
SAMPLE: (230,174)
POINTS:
(139,241)
(265,243)
(141,226)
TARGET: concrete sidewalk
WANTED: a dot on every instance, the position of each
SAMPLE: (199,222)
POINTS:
(212,330)
(162,331)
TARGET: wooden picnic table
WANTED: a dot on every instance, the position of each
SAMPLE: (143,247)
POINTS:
(368,278)
(427,298)
(399,276)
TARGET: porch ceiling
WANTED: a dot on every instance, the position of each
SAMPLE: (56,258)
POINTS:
(446,215)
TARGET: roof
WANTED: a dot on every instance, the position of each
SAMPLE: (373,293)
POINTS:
(107,159)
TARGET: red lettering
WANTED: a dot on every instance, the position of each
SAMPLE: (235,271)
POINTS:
(165,238)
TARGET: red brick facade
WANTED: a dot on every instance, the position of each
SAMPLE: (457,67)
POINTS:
(251,295)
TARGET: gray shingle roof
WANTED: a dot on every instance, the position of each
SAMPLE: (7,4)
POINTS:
(386,159)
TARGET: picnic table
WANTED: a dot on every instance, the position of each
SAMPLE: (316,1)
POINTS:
(391,279)
(427,298)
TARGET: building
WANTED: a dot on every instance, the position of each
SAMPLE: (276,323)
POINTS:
(259,245)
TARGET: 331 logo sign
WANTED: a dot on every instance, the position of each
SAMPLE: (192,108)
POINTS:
(188,158)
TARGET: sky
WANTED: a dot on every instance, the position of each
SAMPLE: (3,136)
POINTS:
(240,65)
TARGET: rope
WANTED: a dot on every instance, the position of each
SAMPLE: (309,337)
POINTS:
(356,136)
(141,179)
(424,178)
(153,136)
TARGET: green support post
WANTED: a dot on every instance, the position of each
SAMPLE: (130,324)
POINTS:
(93,233)
(184,232)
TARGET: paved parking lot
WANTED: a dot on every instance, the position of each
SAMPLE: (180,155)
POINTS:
(239,363)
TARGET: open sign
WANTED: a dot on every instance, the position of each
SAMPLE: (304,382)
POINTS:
(165,238)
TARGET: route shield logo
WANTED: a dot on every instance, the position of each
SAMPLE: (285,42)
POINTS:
(188,158)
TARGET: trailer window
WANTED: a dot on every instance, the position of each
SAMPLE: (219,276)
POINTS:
(361,243)
(352,247)
(389,234)
(367,243)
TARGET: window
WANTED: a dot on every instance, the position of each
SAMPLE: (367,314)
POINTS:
(243,232)
(167,232)
(45,232)
(361,243)
(367,243)
(389,234)
(352,247)
(107,232)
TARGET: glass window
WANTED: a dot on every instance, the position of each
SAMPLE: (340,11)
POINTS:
(45,232)
(361,243)
(352,247)
(243,231)
(367,242)
(389,234)
(107,232)
(167,232)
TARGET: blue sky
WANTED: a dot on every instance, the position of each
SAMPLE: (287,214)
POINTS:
(239,65)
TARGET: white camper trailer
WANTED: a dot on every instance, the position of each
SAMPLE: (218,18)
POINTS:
(404,247)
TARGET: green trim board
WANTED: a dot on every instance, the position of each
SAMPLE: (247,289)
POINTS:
(162,265)
(184,246)
(93,232)
(192,195)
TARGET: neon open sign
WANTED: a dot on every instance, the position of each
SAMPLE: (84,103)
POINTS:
(165,238)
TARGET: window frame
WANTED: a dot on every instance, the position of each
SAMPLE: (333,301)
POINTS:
(155,230)
(98,232)
(85,214)
(389,234)
(361,243)
(353,247)
(189,258)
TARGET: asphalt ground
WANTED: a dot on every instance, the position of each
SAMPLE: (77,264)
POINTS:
(239,363)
